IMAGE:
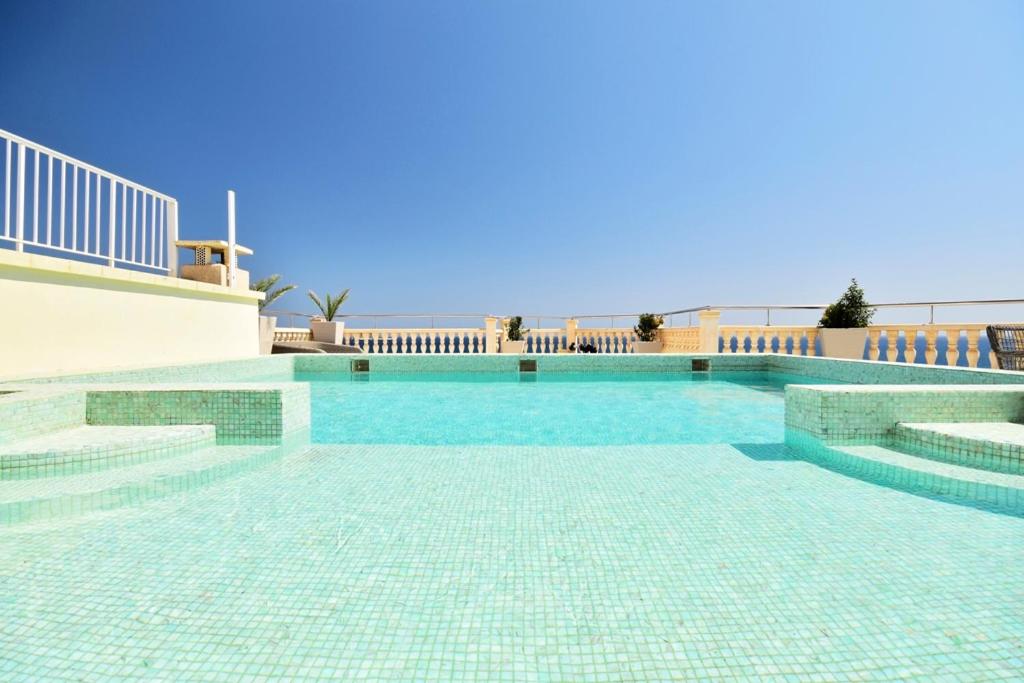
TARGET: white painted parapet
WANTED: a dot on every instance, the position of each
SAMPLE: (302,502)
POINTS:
(490,334)
(571,328)
(709,330)
(63,316)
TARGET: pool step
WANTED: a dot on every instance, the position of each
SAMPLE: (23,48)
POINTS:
(918,474)
(83,449)
(992,446)
(27,500)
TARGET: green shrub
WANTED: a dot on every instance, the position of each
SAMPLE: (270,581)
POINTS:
(647,327)
(514,329)
(851,310)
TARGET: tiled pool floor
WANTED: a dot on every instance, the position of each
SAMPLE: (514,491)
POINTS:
(527,563)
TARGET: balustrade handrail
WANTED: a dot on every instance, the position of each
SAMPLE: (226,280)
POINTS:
(767,308)
(931,305)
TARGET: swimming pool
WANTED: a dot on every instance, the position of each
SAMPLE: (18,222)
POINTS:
(460,526)
(560,410)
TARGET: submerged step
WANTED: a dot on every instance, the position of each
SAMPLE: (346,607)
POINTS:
(914,473)
(993,446)
(39,499)
(90,449)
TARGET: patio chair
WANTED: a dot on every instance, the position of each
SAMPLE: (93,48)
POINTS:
(1007,342)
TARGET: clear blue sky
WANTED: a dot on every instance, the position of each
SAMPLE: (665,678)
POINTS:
(558,157)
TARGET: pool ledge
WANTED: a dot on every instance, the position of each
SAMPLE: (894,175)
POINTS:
(243,413)
(868,414)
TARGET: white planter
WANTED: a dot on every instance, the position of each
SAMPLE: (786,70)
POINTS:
(513,346)
(268,325)
(330,332)
(843,342)
(647,347)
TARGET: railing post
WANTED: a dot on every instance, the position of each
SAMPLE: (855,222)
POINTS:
(231,238)
(490,334)
(708,336)
(112,223)
(172,238)
(19,225)
(571,324)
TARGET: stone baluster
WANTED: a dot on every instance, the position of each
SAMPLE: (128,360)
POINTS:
(931,335)
(972,348)
(892,345)
(812,334)
(909,344)
(875,347)
(953,347)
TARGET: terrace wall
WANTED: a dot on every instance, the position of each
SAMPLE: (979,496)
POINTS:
(63,316)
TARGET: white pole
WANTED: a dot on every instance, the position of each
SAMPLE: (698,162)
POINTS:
(231,238)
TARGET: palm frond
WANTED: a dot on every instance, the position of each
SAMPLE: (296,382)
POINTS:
(266,285)
(275,294)
(316,300)
(333,303)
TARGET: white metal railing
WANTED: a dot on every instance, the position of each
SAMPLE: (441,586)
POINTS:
(53,202)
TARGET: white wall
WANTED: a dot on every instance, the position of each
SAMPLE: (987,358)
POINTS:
(59,316)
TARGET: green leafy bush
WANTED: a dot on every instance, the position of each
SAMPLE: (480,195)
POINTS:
(514,329)
(647,327)
(851,310)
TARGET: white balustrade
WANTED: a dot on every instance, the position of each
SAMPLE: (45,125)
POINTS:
(892,343)
(943,344)
(36,185)
(425,341)
(606,339)
(545,340)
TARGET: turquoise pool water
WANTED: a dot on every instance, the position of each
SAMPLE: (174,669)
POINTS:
(551,410)
(697,547)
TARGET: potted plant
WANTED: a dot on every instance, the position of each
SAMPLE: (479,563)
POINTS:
(324,328)
(843,325)
(268,323)
(647,340)
(513,341)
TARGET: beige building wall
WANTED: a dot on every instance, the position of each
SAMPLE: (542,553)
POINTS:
(59,316)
